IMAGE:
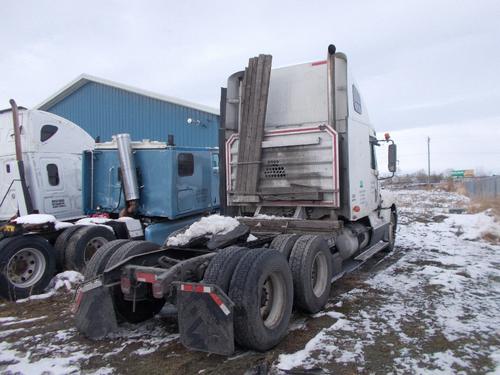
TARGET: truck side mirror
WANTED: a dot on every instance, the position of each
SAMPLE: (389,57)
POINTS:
(392,157)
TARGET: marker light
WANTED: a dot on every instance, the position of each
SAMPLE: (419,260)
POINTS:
(387,136)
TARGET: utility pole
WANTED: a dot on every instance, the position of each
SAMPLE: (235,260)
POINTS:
(428,161)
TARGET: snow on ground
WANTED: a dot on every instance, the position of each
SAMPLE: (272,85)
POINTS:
(213,224)
(431,307)
(435,310)
(42,351)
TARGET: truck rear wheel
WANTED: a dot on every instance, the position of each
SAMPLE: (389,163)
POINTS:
(61,243)
(97,264)
(311,265)
(221,267)
(124,309)
(262,290)
(83,244)
(284,243)
(27,264)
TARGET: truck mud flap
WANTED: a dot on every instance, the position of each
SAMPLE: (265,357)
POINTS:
(94,311)
(205,316)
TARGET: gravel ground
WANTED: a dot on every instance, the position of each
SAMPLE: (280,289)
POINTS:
(431,306)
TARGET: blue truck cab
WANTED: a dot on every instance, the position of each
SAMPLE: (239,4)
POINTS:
(176,185)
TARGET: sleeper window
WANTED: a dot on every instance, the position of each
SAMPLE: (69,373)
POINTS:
(47,132)
(356,100)
(185,164)
(53,174)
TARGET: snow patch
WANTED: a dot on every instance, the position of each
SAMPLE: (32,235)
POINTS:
(251,238)
(92,220)
(441,287)
(214,224)
(62,225)
(24,321)
(67,280)
(35,219)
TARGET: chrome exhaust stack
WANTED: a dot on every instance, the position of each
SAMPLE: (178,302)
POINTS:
(128,174)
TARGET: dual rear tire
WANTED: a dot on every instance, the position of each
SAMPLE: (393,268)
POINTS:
(264,284)
(76,245)
(259,282)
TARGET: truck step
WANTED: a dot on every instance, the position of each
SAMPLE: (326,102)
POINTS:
(368,253)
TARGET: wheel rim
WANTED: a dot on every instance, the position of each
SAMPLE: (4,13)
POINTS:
(272,300)
(26,267)
(92,246)
(319,274)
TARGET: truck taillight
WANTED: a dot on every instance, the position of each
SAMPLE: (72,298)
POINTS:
(125,285)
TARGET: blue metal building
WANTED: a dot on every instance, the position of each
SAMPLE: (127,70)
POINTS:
(104,108)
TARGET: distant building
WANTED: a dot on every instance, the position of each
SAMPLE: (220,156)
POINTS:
(104,108)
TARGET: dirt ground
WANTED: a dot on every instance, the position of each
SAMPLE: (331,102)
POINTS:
(428,307)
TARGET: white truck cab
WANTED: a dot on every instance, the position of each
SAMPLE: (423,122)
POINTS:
(52,150)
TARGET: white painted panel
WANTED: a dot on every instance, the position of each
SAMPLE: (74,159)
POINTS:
(297,95)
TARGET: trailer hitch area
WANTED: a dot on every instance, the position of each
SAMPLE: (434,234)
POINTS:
(134,278)
(205,318)
(93,309)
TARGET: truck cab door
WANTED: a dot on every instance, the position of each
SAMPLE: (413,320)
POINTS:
(374,182)
(54,198)
(8,176)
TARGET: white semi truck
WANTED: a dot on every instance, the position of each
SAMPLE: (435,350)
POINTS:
(50,148)
(299,173)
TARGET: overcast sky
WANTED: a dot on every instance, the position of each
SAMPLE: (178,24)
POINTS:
(424,68)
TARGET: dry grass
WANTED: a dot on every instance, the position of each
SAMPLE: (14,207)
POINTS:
(483,204)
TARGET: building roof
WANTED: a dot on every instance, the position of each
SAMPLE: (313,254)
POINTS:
(86,78)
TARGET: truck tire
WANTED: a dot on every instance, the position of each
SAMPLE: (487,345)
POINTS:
(83,244)
(262,291)
(144,310)
(27,264)
(61,243)
(311,265)
(221,267)
(97,263)
(284,243)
